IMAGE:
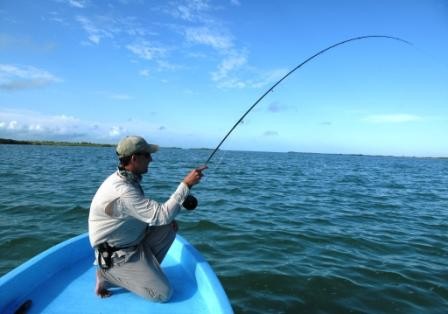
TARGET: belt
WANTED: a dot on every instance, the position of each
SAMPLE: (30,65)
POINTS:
(105,252)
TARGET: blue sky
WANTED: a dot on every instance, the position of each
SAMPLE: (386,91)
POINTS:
(181,73)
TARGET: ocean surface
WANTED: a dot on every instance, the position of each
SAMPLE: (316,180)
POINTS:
(285,232)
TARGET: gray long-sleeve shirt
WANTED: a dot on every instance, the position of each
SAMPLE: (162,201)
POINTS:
(120,213)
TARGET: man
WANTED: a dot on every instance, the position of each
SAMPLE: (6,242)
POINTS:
(131,234)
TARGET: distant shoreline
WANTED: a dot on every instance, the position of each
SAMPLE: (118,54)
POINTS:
(52,143)
(88,144)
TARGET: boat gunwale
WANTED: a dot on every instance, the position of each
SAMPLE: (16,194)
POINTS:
(73,250)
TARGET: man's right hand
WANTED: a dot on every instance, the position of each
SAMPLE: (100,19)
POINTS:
(194,176)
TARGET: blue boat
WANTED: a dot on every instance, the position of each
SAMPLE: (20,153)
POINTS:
(61,280)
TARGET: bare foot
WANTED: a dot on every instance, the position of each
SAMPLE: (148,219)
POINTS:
(100,290)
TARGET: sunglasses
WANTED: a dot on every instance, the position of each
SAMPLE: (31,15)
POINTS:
(146,155)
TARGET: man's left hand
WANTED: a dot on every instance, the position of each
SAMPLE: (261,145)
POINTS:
(175,226)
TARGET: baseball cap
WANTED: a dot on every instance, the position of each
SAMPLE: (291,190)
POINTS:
(134,144)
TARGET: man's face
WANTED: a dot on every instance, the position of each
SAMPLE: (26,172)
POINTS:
(141,162)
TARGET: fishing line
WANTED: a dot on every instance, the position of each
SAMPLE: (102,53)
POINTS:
(191,201)
(217,164)
(289,73)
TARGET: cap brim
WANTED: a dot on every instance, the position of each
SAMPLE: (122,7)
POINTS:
(152,148)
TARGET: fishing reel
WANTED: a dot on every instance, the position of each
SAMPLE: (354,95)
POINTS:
(190,202)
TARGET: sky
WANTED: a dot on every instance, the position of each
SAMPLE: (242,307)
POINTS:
(182,72)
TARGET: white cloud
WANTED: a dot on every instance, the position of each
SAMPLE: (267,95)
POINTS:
(14,78)
(270,133)
(144,72)
(190,10)
(267,77)
(276,107)
(28,124)
(392,118)
(198,24)
(115,95)
(13,125)
(234,72)
(145,50)
(94,32)
(81,4)
(116,131)
(24,42)
(165,65)
(35,127)
(209,37)
(65,118)
(229,64)
(121,97)
(121,29)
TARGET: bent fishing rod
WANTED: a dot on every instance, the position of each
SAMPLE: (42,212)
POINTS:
(191,201)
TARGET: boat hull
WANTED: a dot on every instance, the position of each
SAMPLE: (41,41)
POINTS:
(61,280)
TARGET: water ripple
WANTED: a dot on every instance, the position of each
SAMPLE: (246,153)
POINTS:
(286,233)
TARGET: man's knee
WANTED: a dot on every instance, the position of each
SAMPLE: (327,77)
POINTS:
(160,294)
(166,295)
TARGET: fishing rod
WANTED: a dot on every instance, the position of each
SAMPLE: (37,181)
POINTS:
(288,74)
(191,201)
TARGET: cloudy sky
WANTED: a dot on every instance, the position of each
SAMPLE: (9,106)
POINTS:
(181,73)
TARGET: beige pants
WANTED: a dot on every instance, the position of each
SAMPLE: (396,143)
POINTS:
(138,270)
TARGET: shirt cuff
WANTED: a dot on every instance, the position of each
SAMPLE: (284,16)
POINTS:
(181,193)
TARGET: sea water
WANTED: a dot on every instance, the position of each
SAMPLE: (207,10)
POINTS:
(285,232)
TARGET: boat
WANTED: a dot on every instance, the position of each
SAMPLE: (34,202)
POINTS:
(62,278)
